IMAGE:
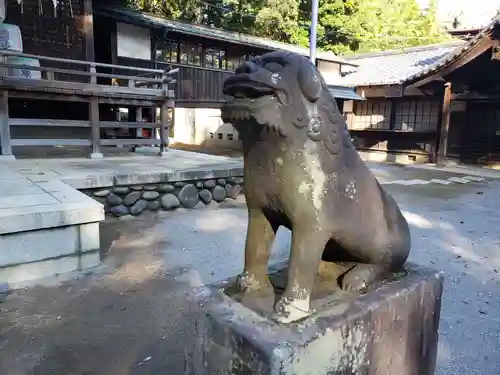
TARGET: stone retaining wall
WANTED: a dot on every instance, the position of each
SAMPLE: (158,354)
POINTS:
(133,200)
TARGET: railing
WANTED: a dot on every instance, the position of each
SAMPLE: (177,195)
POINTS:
(80,81)
(194,83)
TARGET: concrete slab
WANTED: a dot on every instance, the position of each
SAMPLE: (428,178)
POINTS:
(460,180)
(468,170)
(83,173)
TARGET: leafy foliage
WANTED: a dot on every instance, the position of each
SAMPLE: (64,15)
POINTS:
(344,26)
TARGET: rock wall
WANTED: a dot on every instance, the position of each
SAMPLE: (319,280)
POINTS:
(136,199)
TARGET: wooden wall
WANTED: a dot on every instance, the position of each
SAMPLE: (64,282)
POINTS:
(407,124)
(49,33)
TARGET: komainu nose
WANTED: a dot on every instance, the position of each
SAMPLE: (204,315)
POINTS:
(246,68)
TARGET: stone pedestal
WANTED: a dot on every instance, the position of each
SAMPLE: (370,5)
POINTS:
(390,330)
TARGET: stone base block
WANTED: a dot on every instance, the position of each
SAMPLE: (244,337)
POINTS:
(6,158)
(22,274)
(393,157)
(96,155)
(390,330)
(31,255)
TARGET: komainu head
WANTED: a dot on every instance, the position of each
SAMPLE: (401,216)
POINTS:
(279,90)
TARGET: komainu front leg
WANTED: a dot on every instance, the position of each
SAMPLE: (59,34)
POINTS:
(307,248)
(260,237)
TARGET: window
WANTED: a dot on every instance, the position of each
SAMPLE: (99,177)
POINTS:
(418,115)
(372,114)
(195,55)
(183,53)
(190,54)
(214,58)
(234,59)
(168,51)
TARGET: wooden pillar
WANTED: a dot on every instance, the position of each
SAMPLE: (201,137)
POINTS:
(96,130)
(166,104)
(163,127)
(445,126)
(5,141)
(88,30)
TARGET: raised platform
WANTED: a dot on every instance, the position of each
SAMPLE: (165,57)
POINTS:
(175,165)
(47,226)
(392,329)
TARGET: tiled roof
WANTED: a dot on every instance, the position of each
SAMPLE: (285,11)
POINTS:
(456,54)
(137,17)
(396,66)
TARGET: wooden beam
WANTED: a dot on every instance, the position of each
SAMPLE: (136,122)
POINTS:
(445,126)
(128,141)
(50,142)
(88,30)
(124,124)
(48,122)
(96,130)
(472,96)
(470,55)
(5,141)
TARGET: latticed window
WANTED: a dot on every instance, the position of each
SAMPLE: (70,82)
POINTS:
(215,58)
(168,51)
(418,115)
(372,114)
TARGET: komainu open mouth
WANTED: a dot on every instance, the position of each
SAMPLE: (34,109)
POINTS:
(252,94)
(247,90)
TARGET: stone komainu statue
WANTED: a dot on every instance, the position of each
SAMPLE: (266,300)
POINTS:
(303,172)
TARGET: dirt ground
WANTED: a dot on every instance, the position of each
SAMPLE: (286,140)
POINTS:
(129,317)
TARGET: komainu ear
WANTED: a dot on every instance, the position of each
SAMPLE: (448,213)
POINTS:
(309,81)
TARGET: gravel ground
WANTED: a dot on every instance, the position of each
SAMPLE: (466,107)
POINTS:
(127,317)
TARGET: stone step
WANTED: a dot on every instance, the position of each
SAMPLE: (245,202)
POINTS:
(46,228)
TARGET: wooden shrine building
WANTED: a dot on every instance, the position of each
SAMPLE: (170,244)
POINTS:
(83,73)
(204,56)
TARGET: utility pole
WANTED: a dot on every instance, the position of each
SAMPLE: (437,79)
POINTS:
(312,33)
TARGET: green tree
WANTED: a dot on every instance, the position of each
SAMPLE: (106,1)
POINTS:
(392,24)
(344,26)
(278,20)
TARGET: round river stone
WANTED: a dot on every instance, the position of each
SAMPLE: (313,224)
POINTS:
(154,205)
(138,207)
(118,210)
(169,202)
(131,198)
(114,200)
(188,196)
(166,188)
(233,191)
(101,193)
(150,195)
(209,184)
(122,190)
(219,193)
(205,196)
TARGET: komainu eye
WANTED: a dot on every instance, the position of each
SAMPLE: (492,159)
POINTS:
(273,66)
